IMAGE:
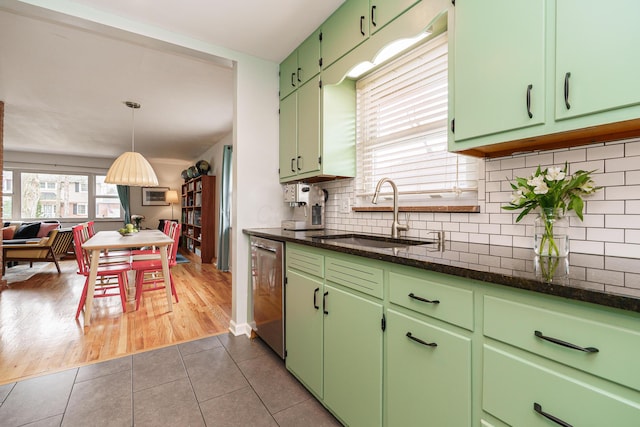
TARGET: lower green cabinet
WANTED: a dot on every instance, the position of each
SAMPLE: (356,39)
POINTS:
(530,392)
(304,329)
(353,357)
(428,374)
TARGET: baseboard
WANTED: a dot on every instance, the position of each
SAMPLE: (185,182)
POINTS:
(240,329)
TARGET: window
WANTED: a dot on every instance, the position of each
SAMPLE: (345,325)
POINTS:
(7,194)
(107,200)
(52,196)
(402,130)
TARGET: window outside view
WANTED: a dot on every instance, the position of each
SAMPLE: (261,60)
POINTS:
(53,196)
(107,201)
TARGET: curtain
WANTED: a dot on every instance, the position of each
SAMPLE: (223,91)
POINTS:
(123,194)
(225,210)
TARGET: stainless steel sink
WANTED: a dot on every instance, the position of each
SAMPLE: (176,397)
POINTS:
(371,241)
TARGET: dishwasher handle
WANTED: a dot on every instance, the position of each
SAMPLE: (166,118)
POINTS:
(264,248)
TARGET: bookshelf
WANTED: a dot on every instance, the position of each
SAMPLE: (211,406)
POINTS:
(199,217)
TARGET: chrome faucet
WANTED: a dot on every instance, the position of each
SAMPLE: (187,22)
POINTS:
(395,226)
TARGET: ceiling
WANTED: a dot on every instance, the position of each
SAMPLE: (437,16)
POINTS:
(64,87)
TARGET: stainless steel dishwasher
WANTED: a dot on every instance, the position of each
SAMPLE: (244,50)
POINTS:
(267,266)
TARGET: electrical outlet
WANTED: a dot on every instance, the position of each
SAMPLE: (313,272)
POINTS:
(344,206)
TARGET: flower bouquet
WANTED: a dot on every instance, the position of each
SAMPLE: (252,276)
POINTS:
(555,193)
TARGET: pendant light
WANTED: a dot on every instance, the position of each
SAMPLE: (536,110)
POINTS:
(131,168)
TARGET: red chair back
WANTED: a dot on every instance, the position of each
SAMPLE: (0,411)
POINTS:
(82,256)
(174,233)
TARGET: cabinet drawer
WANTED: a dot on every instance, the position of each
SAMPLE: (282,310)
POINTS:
(455,305)
(516,324)
(307,262)
(426,379)
(512,385)
(360,277)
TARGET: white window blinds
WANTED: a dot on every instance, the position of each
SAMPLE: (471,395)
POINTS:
(402,129)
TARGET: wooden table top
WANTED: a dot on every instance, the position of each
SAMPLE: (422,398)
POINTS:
(114,240)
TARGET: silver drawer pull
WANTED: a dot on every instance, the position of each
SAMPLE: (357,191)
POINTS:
(565,344)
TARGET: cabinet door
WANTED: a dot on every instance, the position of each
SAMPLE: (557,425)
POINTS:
(309,57)
(288,74)
(344,30)
(382,12)
(598,46)
(303,316)
(288,135)
(516,390)
(308,158)
(426,384)
(353,358)
(499,54)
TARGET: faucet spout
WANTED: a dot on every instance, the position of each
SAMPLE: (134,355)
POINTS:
(395,226)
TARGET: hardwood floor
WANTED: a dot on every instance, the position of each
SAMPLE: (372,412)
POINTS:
(39,334)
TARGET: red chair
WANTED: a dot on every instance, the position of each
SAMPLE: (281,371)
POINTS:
(106,257)
(107,274)
(148,267)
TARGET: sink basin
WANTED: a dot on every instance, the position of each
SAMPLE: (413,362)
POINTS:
(370,241)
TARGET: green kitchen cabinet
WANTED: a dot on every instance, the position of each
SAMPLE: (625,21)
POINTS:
(345,29)
(428,373)
(543,75)
(321,124)
(304,329)
(499,66)
(304,318)
(596,56)
(353,357)
(524,391)
(381,12)
(300,131)
(301,65)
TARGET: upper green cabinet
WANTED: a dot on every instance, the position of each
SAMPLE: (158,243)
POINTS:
(596,56)
(301,65)
(317,132)
(543,75)
(300,131)
(344,30)
(381,12)
(499,66)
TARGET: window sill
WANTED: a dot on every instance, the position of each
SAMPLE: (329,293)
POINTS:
(446,209)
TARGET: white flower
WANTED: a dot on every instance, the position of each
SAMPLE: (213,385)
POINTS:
(555,174)
(536,181)
(541,188)
(587,187)
(517,197)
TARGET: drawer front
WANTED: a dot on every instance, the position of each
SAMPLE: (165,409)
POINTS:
(305,261)
(360,277)
(454,305)
(618,349)
(428,379)
(512,386)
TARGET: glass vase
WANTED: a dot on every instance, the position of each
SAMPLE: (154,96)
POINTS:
(551,234)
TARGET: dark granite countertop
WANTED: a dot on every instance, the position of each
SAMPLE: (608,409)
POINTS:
(589,278)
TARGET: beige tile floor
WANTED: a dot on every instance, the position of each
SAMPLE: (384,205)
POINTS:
(216,381)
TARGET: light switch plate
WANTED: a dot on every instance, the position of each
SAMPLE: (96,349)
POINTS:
(345,207)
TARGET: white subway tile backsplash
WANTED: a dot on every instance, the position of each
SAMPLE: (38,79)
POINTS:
(605,152)
(604,207)
(611,224)
(622,250)
(570,156)
(622,164)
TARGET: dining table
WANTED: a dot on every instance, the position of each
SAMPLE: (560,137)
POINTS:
(110,240)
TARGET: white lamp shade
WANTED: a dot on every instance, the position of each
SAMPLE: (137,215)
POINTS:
(171,196)
(131,169)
